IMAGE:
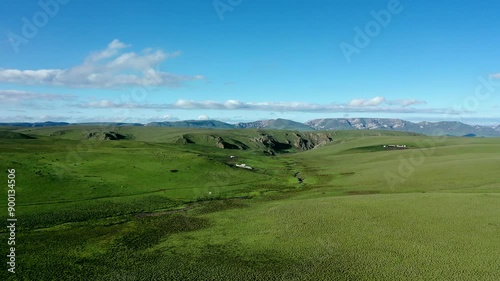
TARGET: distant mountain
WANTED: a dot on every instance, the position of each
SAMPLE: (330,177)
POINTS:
(193,124)
(37,124)
(277,124)
(427,128)
(109,124)
(57,124)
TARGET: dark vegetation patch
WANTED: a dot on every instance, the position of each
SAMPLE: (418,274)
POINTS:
(58,133)
(151,229)
(91,210)
(373,148)
(14,136)
(127,258)
(273,195)
(347,173)
(470,135)
(163,213)
(117,252)
(219,205)
(362,192)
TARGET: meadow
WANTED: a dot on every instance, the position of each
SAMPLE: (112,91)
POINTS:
(149,207)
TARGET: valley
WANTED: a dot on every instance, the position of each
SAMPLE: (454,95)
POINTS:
(171,203)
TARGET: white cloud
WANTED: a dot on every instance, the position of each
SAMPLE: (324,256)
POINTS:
(14,96)
(495,76)
(363,102)
(163,118)
(406,102)
(107,68)
(168,117)
(112,49)
(373,105)
(203,117)
(38,118)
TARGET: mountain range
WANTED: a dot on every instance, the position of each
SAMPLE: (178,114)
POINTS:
(451,128)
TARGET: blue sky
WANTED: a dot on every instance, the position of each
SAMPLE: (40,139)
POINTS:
(245,60)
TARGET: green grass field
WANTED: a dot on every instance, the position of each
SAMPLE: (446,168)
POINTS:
(151,208)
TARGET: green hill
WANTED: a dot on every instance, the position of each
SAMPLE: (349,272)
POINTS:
(14,135)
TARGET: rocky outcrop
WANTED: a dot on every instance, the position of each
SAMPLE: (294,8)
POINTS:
(271,142)
(302,144)
(105,136)
(221,143)
(308,141)
(302,141)
(184,140)
(315,139)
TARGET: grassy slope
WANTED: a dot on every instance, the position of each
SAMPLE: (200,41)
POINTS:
(359,165)
(440,223)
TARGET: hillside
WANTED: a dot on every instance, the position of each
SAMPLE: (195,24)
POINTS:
(147,205)
(268,141)
(8,135)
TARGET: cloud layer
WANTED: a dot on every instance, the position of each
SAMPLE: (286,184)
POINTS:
(108,68)
(13,96)
(377,104)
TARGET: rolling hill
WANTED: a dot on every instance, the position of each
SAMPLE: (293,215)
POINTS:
(151,207)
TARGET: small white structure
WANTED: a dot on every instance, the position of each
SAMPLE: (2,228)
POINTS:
(232,156)
(395,145)
(244,166)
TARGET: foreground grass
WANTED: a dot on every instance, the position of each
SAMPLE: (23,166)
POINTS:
(436,236)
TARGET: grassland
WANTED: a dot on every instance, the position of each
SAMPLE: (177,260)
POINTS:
(150,208)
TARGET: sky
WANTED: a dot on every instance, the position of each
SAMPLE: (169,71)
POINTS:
(247,60)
